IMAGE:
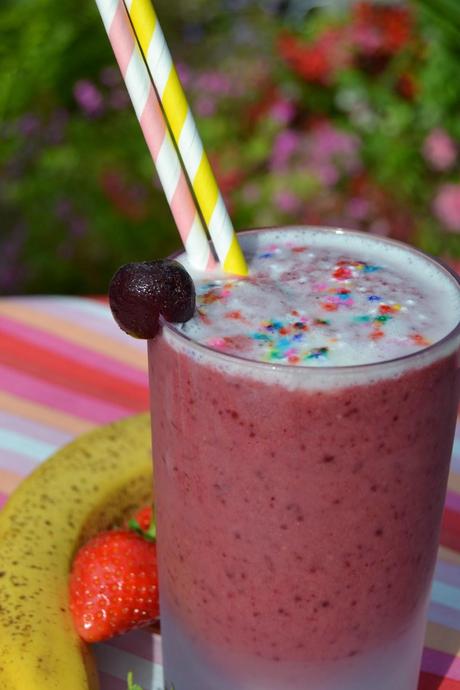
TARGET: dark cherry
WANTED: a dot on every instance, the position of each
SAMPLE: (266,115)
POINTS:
(140,292)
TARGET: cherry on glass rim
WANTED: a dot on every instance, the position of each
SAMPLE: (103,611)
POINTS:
(140,292)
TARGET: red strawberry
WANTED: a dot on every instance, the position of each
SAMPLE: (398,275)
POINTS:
(114,585)
(142,519)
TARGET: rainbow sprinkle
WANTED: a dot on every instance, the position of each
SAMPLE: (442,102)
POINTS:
(322,305)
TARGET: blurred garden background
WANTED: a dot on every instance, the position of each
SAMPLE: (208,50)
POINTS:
(326,112)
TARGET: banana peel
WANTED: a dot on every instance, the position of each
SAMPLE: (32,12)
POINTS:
(89,485)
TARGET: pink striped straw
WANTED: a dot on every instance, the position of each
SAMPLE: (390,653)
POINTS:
(145,102)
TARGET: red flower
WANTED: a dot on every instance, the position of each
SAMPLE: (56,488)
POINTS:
(380,30)
(316,61)
(407,87)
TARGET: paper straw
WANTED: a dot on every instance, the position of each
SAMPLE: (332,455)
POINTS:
(164,75)
(149,113)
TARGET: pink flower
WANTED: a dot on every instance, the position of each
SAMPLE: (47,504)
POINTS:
(205,106)
(284,146)
(214,82)
(447,206)
(88,98)
(282,111)
(331,153)
(439,150)
(358,208)
(330,143)
(287,201)
(184,72)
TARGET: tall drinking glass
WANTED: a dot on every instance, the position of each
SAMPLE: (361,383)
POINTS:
(298,511)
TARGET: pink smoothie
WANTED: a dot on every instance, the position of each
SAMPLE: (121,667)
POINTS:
(299,505)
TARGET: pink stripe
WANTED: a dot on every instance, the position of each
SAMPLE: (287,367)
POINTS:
(211,262)
(183,208)
(153,124)
(121,37)
(3,499)
(56,397)
(17,462)
(441,664)
(80,354)
(109,682)
(74,310)
(142,643)
(453,501)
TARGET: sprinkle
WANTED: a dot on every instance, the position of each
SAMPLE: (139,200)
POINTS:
(210,297)
(218,343)
(261,336)
(345,290)
(342,273)
(420,340)
(329,306)
(236,315)
(319,287)
(317,352)
(389,308)
(204,317)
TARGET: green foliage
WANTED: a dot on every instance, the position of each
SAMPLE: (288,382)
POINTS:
(336,134)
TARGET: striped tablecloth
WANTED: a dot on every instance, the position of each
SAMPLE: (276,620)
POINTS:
(65,368)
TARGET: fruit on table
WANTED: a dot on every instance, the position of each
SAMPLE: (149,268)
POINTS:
(88,486)
(140,292)
(144,523)
(113,585)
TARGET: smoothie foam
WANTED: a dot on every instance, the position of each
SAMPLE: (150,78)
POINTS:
(313,300)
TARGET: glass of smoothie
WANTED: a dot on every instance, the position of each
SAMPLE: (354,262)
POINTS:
(302,424)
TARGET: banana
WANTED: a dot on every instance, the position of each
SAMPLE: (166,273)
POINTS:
(89,485)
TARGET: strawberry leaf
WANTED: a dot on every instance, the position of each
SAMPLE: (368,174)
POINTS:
(150,534)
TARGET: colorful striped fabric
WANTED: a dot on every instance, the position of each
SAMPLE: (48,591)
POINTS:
(65,368)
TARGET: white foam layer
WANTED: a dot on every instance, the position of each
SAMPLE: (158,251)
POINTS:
(322,299)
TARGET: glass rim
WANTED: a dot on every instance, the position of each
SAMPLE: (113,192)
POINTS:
(208,351)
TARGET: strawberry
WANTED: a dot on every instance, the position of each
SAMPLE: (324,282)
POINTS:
(143,520)
(114,585)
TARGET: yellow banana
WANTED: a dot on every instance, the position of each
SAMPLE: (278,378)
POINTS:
(89,485)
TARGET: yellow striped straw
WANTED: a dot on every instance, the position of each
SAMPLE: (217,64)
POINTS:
(184,131)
